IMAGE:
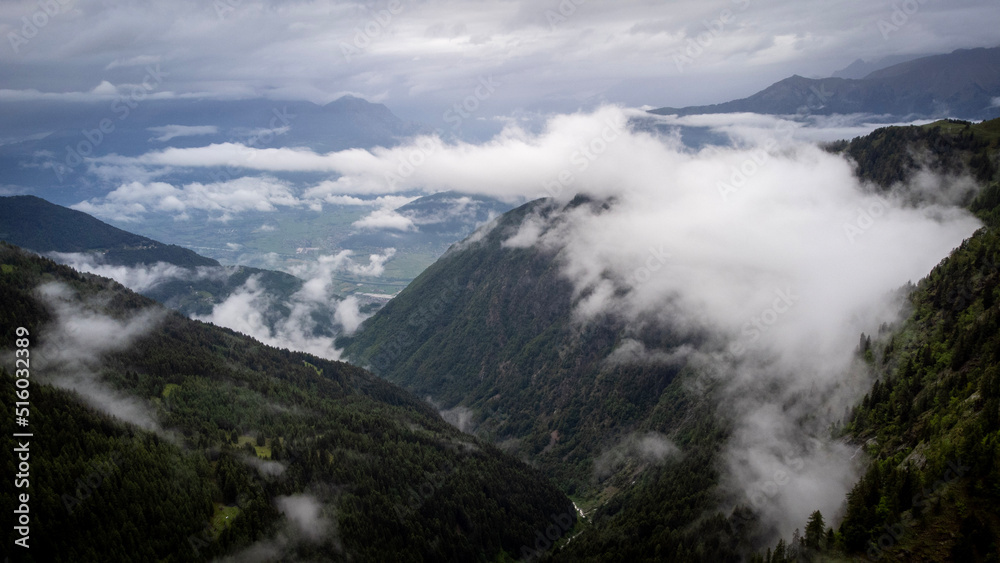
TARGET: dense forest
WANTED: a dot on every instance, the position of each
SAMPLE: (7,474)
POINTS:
(244,440)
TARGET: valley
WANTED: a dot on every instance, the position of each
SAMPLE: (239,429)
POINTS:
(500,281)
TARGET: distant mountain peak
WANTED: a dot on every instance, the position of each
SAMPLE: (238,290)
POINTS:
(960,84)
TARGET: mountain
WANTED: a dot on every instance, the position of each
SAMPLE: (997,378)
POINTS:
(41,151)
(487,334)
(422,230)
(963,84)
(194,287)
(861,68)
(32,222)
(174,440)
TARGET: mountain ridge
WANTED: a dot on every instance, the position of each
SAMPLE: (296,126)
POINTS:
(487,331)
(961,84)
(237,434)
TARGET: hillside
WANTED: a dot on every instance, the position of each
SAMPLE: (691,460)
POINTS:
(505,316)
(195,287)
(960,84)
(221,444)
(487,334)
(33,223)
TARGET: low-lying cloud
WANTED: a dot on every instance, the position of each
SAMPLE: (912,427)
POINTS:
(73,347)
(285,322)
(247,309)
(305,514)
(222,200)
(138,278)
(772,246)
(385,219)
(647,448)
(306,521)
(167,132)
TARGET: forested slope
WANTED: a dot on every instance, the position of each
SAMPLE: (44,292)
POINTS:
(307,458)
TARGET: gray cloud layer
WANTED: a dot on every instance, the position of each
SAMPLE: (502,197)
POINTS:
(427,57)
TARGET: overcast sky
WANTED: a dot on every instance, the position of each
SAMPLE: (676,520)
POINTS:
(420,57)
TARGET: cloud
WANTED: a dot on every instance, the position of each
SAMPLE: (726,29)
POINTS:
(245,310)
(168,132)
(139,278)
(323,192)
(544,54)
(266,467)
(255,312)
(133,200)
(320,273)
(222,200)
(633,352)
(307,521)
(756,128)
(348,315)
(385,219)
(304,512)
(460,417)
(74,344)
(772,247)
(647,448)
(527,234)
(102,92)
(139,60)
